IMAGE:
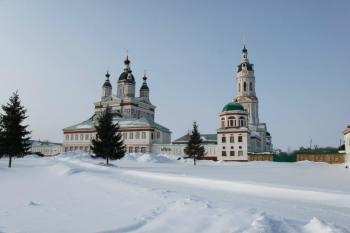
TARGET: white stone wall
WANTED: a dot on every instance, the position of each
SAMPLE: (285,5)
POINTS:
(229,149)
(78,141)
(135,140)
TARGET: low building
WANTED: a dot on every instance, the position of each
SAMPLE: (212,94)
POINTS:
(178,146)
(332,158)
(268,156)
(46,148)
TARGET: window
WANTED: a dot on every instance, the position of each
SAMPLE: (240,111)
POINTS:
(239,87)
(240,153)
(250,86)
(143,149)
(136,149)
(223,139)
(76,137)
(152,135)
(245,86)
(222,122)
(71,137)
(125,136)
(81,137)
(240,147)
(241,121)
(240,139)
(143,135)
(223,153)
(231,121)
(137,135)
(232,139)
(67,137)
(86,137)
(158,135)
(232,153)
(131,135)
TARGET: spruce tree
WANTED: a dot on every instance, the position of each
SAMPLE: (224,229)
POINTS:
(14,139)
(194,149)
(108,143)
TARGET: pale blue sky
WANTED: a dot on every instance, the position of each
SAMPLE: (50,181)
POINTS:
(55,53)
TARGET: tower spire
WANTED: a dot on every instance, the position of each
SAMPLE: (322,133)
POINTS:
(245,54)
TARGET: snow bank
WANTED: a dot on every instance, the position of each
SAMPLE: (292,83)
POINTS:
(317,226)
(150,158)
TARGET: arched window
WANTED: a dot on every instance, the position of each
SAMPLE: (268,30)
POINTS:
(239,87)
(241,121)
(251,86)
(231,121)
(245,86)
(222,122)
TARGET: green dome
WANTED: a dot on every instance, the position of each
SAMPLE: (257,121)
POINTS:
(233,106)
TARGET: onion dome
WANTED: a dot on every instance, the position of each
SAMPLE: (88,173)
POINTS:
(127,73)
(233,106)
(107,82)
(144,84)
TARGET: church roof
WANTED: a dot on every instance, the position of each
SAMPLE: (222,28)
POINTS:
(247,64)
(123,123)
(144,84)
(107,83)
(233,106)
(127,76)
(206,138)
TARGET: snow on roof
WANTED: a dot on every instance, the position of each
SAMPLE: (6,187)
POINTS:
(123,123)
(206,138)
(44,143)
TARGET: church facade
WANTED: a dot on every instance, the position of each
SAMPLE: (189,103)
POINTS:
(135,115)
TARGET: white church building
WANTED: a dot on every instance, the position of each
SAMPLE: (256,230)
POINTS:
(135,116)
(240,131)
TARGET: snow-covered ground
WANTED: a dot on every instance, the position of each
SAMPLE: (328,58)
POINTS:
(151,193)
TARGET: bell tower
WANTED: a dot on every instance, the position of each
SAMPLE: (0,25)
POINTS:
(245,86)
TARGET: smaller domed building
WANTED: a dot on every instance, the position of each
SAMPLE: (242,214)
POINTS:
(233,134)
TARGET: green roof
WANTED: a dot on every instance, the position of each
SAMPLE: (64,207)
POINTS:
(233,106)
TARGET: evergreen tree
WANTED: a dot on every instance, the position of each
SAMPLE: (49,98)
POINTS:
(194,149)
(14,139)
(108,143)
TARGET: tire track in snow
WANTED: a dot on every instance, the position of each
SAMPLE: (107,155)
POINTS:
(325,198)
